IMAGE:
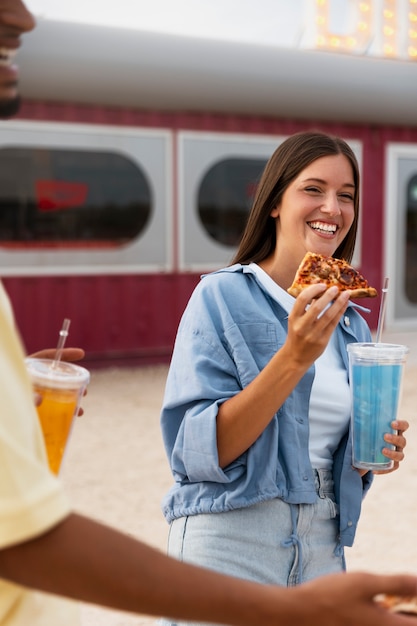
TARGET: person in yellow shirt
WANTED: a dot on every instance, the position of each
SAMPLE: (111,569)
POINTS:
(47,550)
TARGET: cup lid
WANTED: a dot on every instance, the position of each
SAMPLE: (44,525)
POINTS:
(379,351)
(61,374)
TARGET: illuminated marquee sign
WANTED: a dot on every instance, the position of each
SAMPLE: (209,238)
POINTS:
(373,27)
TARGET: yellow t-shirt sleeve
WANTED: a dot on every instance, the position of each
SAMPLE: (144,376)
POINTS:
(31,497)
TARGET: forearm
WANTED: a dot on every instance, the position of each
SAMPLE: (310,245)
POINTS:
(93,563)
(90,562)
(244,417)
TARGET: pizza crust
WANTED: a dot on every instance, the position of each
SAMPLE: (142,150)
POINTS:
(316,268)
(368,292)
(398,604)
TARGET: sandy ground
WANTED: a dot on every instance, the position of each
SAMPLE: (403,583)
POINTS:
(115,470)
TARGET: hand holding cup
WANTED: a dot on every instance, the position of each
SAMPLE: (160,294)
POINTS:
(375,373)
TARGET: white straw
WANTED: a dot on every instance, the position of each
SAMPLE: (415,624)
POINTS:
(382,311)
(63,334)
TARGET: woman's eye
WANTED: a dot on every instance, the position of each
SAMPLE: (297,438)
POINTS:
(313,189)
(347,196)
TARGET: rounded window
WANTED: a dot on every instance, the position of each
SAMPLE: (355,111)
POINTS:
(71,198)
(225,197)
(411,241)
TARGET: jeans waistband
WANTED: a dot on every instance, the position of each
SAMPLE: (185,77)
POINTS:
(323,481)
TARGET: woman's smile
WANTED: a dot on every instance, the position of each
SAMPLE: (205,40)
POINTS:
(325,229)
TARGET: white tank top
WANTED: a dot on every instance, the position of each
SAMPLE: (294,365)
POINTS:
(330,403)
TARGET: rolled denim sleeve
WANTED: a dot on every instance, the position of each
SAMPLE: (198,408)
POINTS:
(194,455)
(201,377)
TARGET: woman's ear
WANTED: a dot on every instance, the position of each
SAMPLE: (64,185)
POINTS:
(275,212)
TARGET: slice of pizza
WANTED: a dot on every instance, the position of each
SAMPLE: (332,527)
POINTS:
(316,268)
(406,605)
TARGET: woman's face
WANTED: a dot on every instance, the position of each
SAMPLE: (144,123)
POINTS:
(317,208)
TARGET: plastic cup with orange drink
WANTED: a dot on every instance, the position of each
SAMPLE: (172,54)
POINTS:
(60,386)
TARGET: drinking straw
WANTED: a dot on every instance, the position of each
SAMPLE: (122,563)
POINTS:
(382,311)
(63,334)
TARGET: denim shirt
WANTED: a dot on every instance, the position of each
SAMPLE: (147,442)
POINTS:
(230,330)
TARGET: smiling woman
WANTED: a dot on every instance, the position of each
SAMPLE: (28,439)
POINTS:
(256,426)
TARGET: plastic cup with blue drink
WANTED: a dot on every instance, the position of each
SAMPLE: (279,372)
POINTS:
(375,374)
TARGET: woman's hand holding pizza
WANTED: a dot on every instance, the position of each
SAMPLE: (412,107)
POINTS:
(314,317)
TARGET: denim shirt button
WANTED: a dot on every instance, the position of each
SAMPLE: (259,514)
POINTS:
(350,523)
(305,477)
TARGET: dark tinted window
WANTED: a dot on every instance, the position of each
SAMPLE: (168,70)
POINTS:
(411,241)
(225,197)
(51,197)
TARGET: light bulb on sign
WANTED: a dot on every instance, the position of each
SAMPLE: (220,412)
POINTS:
(372,27)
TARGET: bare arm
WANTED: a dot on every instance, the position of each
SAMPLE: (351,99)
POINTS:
(308,336)
(85,560)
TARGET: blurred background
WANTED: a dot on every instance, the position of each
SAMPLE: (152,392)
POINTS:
(131,170)
(144,129)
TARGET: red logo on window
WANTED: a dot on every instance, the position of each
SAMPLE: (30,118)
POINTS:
(250,190)
(55,195)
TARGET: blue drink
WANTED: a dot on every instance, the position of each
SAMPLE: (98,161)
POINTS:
(375,382)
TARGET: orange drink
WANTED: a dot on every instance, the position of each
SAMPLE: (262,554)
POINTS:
(56,412)
(60,387)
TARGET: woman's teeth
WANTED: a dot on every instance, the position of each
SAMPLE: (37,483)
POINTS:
(320,226)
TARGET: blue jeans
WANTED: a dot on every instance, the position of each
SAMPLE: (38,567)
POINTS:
(271,542)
